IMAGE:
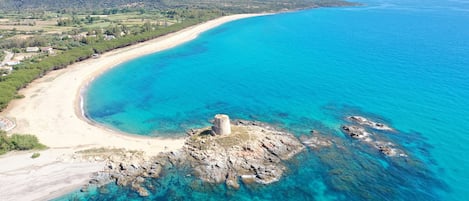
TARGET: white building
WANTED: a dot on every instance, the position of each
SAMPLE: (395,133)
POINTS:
(12,63)
(32,49)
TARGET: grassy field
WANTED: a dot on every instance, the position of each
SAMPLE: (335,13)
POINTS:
(47,22)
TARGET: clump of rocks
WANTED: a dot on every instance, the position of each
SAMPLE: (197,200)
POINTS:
(125,168)
(361,133)
(367,122)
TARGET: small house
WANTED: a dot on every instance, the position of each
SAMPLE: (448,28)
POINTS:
(32,49)
(12,63)
(109,37)
(48,50)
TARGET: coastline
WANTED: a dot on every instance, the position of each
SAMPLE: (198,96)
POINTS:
(52,110)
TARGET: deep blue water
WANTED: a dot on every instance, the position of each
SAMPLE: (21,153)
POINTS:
(405,63)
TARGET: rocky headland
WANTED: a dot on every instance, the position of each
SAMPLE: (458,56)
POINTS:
(228,152)
(253,152)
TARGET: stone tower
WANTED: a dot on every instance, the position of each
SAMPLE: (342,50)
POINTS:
(221,125)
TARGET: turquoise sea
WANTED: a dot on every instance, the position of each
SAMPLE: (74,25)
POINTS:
(402,62)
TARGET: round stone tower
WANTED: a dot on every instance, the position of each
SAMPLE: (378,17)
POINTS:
(221,125)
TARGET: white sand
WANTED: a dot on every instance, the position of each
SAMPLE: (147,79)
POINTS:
(51,111)
(48,176)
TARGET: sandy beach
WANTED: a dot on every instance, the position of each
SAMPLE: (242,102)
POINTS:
(51,111)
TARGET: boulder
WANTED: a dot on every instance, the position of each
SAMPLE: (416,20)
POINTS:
(372,124)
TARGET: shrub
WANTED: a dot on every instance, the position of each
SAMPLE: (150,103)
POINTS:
(18,142)
(5,143)
(19,96)
(25,142)
(35,155)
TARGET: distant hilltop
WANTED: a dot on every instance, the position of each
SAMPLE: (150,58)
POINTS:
(234,6)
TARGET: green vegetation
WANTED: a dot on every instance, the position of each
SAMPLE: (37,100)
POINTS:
(18,142)
(35,155)
(239,136)
(115,6)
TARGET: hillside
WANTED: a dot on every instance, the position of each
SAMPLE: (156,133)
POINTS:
(229,5)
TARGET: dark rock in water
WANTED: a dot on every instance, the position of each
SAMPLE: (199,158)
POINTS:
(314,132)
(357,132)
(360,133)
(366,122)
(84,188)
(388,149)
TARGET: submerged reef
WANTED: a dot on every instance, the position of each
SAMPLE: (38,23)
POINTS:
(360,133)
(370,162)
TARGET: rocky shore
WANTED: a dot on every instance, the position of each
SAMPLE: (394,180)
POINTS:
(125,168)
(232,152)
(249,152)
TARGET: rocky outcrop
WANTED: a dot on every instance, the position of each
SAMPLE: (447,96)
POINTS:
(372,124)
(385,147)
(357,132)
(316,140)
(360,132)
(125,168)
(253,152)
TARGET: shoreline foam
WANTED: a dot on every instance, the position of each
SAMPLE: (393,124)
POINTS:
(53,111)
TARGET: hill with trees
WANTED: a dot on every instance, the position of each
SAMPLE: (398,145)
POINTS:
(229,5)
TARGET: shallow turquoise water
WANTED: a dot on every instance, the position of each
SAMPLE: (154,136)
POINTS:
(402,62)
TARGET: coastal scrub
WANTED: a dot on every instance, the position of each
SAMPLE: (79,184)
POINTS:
(18,142)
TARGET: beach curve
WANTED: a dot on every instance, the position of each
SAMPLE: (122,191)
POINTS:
(52,111)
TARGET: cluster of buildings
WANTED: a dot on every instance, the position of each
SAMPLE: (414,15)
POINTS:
(6,66)
(48,50)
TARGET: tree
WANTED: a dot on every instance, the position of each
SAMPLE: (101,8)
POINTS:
(5,143)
